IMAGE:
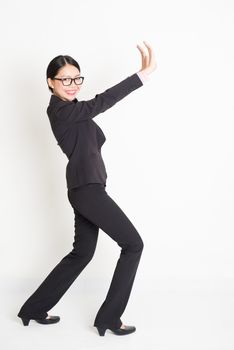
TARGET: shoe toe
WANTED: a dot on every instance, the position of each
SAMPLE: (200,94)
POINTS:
(49,320)
(124,331)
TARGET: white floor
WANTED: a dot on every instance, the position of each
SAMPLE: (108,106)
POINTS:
(176,315)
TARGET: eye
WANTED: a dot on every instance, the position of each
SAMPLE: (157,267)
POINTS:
(66,80)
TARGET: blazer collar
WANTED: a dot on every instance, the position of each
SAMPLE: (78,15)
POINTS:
(55,99)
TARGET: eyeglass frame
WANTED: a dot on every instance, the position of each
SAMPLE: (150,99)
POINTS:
(72,79)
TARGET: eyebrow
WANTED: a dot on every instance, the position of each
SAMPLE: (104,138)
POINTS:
(68,76)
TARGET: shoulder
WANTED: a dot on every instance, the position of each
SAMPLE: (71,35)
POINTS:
(56,104)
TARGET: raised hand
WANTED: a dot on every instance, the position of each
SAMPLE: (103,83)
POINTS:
(147,58)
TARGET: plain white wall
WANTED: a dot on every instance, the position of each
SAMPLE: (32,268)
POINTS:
(169,148)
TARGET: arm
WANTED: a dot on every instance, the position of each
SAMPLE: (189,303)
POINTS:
(82,110)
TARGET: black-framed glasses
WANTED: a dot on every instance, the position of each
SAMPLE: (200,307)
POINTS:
(68,81)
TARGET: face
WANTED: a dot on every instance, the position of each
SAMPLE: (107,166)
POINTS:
(66,93)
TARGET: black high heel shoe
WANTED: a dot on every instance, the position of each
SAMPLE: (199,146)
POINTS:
(118,331)
(50,320)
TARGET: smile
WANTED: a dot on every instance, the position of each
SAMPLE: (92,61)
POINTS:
(71,92)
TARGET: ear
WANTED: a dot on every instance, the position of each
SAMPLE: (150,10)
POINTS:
(50,83)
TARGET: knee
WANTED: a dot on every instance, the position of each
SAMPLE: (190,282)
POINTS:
(84,256)
(139,245)
(87,257)
(135,246)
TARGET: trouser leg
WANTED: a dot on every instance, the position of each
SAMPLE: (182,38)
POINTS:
(98,207)
(65,272)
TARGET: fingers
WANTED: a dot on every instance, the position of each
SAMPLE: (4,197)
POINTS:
(150,50)
(143,56)
(151,60)
(147,57)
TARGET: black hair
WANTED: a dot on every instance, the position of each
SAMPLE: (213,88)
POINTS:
(57,63)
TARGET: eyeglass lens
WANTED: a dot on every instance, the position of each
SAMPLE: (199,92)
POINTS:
(68,81)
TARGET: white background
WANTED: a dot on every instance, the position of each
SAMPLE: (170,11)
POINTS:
(169,158)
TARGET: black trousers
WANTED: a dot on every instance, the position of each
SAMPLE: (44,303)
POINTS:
(93,209)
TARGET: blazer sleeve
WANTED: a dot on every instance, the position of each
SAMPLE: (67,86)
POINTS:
(82,110)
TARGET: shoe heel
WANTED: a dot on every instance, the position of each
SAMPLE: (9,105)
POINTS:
(101,331)
(25,321)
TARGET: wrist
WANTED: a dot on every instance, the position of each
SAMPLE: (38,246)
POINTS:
(143,76)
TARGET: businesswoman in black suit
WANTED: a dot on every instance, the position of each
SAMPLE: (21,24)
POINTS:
(81,139)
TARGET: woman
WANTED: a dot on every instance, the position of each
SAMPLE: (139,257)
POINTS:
(81,139)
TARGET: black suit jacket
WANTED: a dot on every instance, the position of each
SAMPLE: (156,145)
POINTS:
(79,137)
